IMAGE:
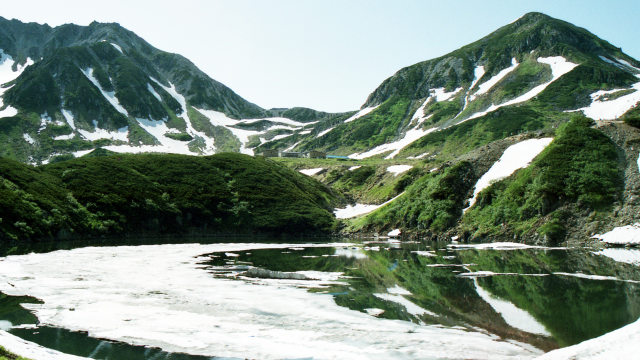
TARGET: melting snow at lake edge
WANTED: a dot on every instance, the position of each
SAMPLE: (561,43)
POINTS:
(159,295)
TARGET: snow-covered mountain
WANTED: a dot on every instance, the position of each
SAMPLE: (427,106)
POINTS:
(70,89)
(536,69)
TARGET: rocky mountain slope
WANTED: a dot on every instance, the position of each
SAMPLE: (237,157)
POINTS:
(70,89)
(518,135)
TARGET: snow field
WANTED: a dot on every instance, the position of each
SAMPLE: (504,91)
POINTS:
(515,157)
(168,299)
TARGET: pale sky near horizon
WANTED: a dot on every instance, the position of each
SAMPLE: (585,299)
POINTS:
(325,54)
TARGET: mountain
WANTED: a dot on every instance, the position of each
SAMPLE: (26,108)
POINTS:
(70,89)
(518,135)
(533,69)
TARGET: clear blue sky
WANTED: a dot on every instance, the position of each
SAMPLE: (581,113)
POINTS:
(324,54)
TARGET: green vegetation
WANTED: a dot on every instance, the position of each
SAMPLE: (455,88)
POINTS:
(460,139)
(6,355)
(158,194)
(579,167)
(433,202)
(371,130)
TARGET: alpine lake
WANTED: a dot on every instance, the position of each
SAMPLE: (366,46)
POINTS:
(304,298)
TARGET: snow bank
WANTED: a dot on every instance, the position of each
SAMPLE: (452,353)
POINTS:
(98,133)
(209,147)
(28,138)
(109,95)
(559,66)
(512,315)
(69,117)
(515,157)
(117,47)
(478,73)
(600,109)
(359,209)
(398,169)
(168,299)
(361,113)
(355,167)
(394,233)
(618,344)
(487,85)
(311,172)
(623,235)
(441,95)
(409,137)
(154,92)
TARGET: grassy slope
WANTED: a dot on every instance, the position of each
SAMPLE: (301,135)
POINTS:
(126,194)
(578,168)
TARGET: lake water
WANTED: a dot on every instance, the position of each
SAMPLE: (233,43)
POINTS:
(365,300)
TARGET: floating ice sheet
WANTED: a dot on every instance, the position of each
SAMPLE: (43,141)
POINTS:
(159,295)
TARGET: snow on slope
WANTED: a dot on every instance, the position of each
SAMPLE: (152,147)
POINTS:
(28,138)
(618,344)
(398,169)
(487,85)
(515,157)
(117,47)
(359,209)
(601,109)
(441,95)
(209,147)
(311,172)
(150,300)
(361,113)
(6,75)
(98,133)
(623,235)
(559,66)
(109,95)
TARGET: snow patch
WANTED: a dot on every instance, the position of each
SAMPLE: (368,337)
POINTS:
(361,113)
(395,147)
(98,133)
(600,109)
(28,138)
(394,233)
(398,169)
(359,209)
(355,167)
(311,172)
(623,235)
(478,73)
(421,156)
(559,66)
(109,95)
(81,153)
(117,47)
(441,95)
(154,92)
(487,85)
(515,157)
